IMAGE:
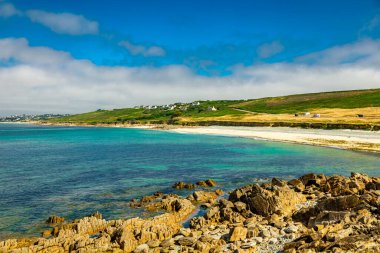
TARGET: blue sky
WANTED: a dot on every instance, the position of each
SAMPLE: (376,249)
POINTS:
(209,41)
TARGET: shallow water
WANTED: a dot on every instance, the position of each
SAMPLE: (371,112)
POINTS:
(75,171)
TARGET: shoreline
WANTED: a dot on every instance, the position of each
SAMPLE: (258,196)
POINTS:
(356,140)
(346,139)
(314,213)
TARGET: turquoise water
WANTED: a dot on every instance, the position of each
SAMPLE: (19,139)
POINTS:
(73,172)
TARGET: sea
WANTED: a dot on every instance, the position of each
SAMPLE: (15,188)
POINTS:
(74,171)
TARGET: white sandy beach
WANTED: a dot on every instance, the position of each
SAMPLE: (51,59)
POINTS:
(345,139)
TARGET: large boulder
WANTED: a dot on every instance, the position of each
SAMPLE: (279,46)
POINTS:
(275,200)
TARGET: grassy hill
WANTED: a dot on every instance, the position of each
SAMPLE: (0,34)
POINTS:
(306,102)
(339,107)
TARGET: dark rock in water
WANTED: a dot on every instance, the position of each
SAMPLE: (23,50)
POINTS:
(207,183)
(183,185)
(55,219)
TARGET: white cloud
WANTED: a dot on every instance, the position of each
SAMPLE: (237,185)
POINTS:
(269,49)
(8,10)
(363,52)
(135,49)
(40,80)
(64,23)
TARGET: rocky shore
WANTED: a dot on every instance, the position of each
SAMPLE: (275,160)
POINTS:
(314,213)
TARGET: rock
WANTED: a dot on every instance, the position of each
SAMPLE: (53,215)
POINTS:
(342,215)
(291,229)
(167,243)
(265,233)
(313,179)
(184,231)
(153,243)
(341,203)
(186,241)
(278,182)
(297,184)
(183,185)
(240,206)
(97,215)
(272,241)
(219,192)
(238,234)
(280,200)
(55,219)
(202,196)
(207,183)
(46,233)
(143,248)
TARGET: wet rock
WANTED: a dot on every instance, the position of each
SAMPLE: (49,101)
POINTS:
(55,219)
(202,196)
(207,183)
(183,185)
(97,215)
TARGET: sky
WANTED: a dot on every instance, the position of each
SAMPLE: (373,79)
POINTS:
(74,56)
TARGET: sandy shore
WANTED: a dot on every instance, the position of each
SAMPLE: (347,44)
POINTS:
(360,140)
(345,139)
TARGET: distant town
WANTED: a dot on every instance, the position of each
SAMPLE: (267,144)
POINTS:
(28,117)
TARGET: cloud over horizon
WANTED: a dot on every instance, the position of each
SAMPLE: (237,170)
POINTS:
(41,79)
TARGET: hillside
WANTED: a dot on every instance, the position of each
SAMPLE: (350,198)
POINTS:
(339,107)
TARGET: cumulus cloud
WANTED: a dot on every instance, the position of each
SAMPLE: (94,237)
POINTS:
(64,23)
(40,79)
(269,49)
(135,49)
(8,10)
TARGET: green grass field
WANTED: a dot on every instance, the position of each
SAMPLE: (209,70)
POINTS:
(307,102)
(272,105)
